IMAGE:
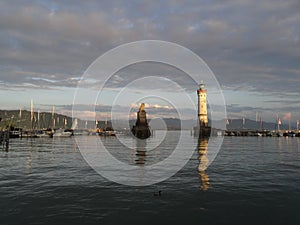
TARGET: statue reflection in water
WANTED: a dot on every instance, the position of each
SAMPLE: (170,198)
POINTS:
(203,163)
(140,151)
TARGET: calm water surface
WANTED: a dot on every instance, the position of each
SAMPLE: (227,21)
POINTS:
(253,180)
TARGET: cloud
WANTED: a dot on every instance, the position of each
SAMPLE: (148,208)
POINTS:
(162,76)
(251,46)
(233,28)
(268,113)
(287,116)
(102,112)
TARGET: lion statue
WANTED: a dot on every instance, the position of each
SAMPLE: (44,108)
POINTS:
(142,107)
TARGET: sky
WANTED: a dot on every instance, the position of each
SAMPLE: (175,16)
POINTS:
(252,47)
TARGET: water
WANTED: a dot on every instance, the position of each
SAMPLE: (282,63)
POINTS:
(253,180)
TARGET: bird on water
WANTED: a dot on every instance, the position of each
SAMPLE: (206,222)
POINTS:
(157,193)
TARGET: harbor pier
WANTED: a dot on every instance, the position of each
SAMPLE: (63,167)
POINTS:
(4,139)
(262,133)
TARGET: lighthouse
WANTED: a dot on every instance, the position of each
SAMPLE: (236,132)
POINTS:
(202,106)
(204,129)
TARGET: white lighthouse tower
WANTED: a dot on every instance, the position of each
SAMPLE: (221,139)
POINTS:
(204,129)
(202,106)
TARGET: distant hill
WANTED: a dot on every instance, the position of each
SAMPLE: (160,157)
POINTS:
(46,120)
(158,124)
(13,118)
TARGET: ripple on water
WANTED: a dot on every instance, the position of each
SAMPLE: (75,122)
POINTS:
(251,179)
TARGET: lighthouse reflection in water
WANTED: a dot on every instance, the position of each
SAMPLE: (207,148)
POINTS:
(203,162)
(141,154)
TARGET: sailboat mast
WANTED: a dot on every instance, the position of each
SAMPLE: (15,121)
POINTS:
(278,123)
(31,113)
(20,117)
(38,118)
(53,119)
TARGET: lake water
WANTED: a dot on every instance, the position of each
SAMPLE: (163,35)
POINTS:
(252,180)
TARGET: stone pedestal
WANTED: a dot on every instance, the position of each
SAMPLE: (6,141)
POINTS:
(204,131)
(141,129)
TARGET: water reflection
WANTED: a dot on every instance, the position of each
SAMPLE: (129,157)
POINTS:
(29,163)
(287,147)
(140,151)
(203,163)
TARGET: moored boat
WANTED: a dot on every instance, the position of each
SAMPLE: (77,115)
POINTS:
(62,133)
(44,133)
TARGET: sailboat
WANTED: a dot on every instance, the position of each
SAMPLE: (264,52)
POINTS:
(39,132)
(62,133)
(279,134)
(76,130)
(107,131)
(31,133)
